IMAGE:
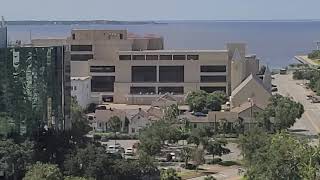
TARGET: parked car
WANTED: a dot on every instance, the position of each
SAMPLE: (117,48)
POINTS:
(129,152)
(274,89)
(115,149)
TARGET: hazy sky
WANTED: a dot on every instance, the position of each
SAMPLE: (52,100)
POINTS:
(159,9)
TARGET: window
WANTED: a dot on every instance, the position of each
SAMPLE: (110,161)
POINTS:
(179,57)
(171,74)
(165,57)
(152,57)
(211,89)
(121,36)
(213,79)
(194,125)
(192,57)
(218,68)
(81,47)
(81,57)
(75,88)
(133,130)
(142,90)
(104,69)
(74,36)
(144,73)
(125,57)
(138,57)
(173,90)
(102,83)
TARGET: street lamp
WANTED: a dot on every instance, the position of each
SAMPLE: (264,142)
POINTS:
(251,105)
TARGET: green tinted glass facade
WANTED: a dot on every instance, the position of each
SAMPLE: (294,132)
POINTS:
(36,87)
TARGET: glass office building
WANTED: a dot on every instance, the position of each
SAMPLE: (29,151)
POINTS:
(35,87)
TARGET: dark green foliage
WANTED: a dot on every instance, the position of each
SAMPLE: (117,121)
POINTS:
(280,156)
(284,112)
(217,147)
(200,101)
(14,158)
(169,174)
(314,54)
(93,162)
(41,171)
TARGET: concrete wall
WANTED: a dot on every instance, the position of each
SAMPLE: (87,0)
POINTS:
(81,89)
(191,73)
(48,42)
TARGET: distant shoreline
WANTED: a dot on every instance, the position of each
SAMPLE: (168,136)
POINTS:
(101,22)
(31,22)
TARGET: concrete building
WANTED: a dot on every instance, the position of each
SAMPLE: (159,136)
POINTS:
(37,86)
(81,89)
(130,69)
(3,34)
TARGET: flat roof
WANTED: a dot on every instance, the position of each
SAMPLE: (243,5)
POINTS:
(80,78)
(174,51)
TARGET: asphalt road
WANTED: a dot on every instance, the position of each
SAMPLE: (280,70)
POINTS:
(309,124)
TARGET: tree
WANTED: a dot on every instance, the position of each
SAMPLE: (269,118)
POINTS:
(251,143)
(169,174)
(186,154)
(41,171)
(14,158)
(89,162)
(198,157)
(285,157)
(115,126)
(217,148)
(283,110)
(201,101)
(197,100)
(171,113)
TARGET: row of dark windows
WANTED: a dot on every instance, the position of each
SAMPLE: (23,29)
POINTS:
(152,90)
(172,90)
(149,74)
(102,83)
(213,79)
(213,68)
(102,69)
(81,47)
(81,57)
(210,89)
(158,57)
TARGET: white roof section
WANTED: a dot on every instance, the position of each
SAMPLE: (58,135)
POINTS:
(80,78)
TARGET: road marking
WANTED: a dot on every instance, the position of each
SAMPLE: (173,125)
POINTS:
(310,119)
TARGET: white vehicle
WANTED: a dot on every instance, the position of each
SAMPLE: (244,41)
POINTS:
(114,148)
(129,152)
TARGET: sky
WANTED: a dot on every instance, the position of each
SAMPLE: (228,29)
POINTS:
(133,10)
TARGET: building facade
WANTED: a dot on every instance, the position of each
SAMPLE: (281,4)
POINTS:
(137,70)
(81,89)
(37,87)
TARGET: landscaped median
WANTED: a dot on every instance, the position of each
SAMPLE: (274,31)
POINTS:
(306,60)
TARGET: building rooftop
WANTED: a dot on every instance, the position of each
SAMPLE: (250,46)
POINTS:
(176,51)
(80,78)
